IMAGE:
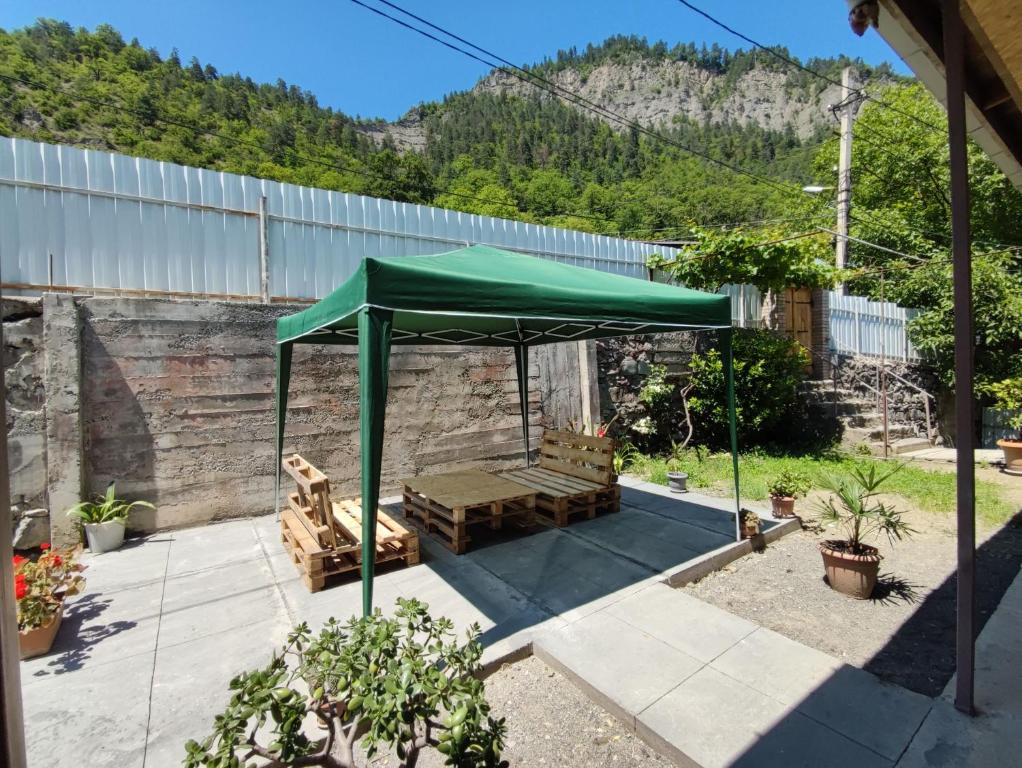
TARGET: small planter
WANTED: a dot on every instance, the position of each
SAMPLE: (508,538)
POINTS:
(784,506)
(848,573)
(1012,455)
(104,537)
(750,524)
(677,482)
(38,641)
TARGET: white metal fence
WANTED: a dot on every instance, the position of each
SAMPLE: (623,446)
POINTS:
(872,328)
(96,220)
(746,300)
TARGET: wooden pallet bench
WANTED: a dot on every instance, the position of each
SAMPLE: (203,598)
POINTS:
(324,538)
(448,505)
(574,477)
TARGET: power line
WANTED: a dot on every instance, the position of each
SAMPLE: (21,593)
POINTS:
(793,63)
(542,83)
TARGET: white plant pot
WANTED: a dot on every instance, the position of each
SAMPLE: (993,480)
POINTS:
(104,537)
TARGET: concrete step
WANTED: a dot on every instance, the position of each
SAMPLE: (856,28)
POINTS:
(909,444)
(894,432)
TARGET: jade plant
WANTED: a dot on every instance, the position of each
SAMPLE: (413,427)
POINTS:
(400,683)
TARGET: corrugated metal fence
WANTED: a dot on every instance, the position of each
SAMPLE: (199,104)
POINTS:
(107,222)
(872,328)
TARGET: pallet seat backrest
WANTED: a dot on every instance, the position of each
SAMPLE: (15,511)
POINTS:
(582,456)
(313,495)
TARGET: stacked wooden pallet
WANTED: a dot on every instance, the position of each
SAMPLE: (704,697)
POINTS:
(448,505)
(324,537)
(574,478)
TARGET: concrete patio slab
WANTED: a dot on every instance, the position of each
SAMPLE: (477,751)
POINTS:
(95,716)
(167,620)
(683,622)
(599,649)
(711,720)
(187,693)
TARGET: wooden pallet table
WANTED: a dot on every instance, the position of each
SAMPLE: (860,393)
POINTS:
(324,538)
(574,477)
(448,505)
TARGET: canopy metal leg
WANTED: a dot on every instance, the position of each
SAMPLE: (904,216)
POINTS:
(374,332)
(522,368)
(283,379)
(727,359)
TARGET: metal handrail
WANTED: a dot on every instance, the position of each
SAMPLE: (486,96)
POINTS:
(833,358)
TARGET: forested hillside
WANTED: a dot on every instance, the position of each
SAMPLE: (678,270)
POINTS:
(488,150)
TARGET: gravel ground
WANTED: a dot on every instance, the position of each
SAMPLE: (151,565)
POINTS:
(550,722)
(905,633)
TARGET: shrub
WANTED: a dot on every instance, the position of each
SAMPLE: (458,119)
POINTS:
(401,681)
(768,370)
(1008,397)
(790,484)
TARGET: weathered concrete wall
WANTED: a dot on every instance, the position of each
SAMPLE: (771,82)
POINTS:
(26,419)
(178,408)
(173,401)
(62,381)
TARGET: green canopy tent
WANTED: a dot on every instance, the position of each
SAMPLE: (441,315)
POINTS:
(483,297)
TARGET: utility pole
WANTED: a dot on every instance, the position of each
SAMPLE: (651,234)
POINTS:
(844,171)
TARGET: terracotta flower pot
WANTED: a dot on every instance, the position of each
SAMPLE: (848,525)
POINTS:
(784,506)
(848,573)
(1012,454)
(38,641)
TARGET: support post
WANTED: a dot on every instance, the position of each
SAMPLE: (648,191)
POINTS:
(283,380)
(522,370)
(725,337)
(12,725)
(264,253)
(374,333)
(844,173)
(965,440)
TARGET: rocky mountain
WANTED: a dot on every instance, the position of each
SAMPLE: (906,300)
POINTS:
(659,87)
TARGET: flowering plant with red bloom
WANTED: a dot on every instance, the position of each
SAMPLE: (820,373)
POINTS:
(41,585)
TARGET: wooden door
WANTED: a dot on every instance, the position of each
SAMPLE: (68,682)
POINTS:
(798,316)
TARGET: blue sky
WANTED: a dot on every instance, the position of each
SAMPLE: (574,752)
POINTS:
(362,64)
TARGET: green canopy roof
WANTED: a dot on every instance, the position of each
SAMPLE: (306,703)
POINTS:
(488,297)
(479,296)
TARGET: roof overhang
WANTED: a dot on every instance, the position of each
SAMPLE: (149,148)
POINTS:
(993,62)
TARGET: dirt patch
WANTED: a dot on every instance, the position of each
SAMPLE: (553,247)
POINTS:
(550,722)
(905,633)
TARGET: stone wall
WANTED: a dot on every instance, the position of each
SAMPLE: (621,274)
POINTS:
(905,404)
(173,401)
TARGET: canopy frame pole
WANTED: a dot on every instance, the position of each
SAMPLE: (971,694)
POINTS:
(283,380)
(522,369)
(375,326)
(725,340)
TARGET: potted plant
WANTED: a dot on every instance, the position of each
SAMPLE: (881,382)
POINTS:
(1008,394)
(40,588)
(104,519)
(787,486)
(750,524)
(851,565)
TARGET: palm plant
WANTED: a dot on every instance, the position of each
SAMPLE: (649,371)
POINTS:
(625,455)
(107,508)
(858,511)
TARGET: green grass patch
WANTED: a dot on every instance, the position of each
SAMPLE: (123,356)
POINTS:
(929,490)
